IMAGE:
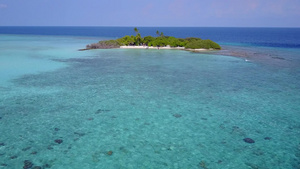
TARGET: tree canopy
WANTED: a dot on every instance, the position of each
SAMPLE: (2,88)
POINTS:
(160,40)
(189,43)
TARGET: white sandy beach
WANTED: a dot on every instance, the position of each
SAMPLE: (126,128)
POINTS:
(165,47)
(151,47)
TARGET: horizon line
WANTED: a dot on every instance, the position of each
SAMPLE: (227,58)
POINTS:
(158,26)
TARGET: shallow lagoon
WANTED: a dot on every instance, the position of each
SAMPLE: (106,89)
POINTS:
(123,108)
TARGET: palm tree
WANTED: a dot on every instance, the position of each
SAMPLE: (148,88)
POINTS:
(157,33)
(136,30)
(138,39)
(161,34)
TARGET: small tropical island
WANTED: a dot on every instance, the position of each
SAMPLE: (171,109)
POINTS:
(159,42)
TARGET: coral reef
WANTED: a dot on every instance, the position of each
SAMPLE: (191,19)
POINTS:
(27,164)
(59,141)
(249,140)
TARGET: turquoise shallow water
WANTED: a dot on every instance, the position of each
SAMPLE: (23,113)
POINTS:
(156,109)
(21,54)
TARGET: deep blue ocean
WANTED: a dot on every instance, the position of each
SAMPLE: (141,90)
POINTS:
(270,37)
(237,108)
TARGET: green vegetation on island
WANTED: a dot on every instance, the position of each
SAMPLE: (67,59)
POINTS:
(159,41)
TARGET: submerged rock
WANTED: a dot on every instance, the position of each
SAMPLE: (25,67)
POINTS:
(34,152)
(249,140)
(25,149)
(37,167)
(202,164)
(27,164)
(59,141)
(2,144)
(109,153)
(177,115)
(13,157)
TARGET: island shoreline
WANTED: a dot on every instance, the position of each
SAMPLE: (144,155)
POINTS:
(157,48)
(160,42)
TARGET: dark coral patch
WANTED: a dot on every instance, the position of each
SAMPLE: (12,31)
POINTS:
(13,157)
(59,141)
(109,153)
(25,149)
(177,115)
(27,164)
(249,140)
(34,152)
(37,167)
(267,138)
